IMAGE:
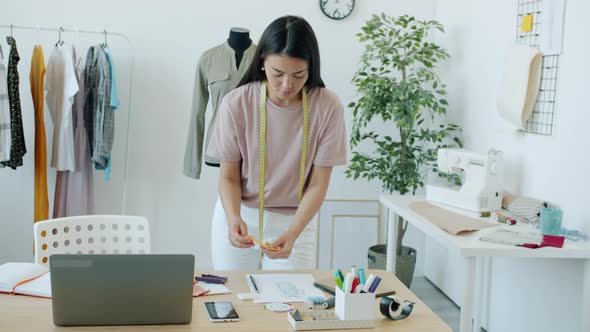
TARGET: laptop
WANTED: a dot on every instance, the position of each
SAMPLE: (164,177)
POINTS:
(121,289)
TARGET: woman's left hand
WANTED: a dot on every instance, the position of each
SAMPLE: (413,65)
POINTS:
(285,244)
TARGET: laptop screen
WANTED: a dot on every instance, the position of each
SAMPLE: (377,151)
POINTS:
(121,289)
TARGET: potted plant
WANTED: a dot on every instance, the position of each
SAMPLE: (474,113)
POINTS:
(397,84)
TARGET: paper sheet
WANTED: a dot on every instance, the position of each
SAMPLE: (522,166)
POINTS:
(283,287)
(451,222)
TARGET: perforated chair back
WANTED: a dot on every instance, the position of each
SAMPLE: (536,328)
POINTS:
(91,235)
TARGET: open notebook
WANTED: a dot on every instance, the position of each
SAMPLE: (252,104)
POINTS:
(25,279)
(203,288)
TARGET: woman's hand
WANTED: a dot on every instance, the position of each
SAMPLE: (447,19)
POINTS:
(285,244)
(237,233)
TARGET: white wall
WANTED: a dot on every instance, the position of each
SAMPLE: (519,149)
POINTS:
(168,37)
(554,168)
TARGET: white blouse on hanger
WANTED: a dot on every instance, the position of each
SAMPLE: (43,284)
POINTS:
(61,86)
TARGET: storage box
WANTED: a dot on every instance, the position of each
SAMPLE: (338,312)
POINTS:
(320,324)
(355,306)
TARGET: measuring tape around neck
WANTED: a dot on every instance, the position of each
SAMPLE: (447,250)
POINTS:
(262,154)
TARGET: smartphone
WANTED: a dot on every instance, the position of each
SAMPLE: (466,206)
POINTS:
(222,311)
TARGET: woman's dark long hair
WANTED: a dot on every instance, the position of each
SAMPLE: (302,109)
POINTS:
(291,36)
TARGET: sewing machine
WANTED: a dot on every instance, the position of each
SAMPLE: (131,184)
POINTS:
(481,188)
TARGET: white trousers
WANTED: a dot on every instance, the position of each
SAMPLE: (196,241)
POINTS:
(228,257)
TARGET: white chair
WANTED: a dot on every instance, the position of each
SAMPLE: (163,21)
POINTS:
(91,235)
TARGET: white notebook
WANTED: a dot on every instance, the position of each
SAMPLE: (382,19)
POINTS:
(26,279)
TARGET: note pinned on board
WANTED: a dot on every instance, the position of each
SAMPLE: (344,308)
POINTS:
(527,23)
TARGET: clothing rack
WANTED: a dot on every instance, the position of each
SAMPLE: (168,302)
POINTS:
(105,33)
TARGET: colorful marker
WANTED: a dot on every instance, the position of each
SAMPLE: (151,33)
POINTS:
(355,283)
(369,282)
(362,276)
(375,284)
(337,279)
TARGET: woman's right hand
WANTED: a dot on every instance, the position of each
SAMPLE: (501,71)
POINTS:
(238,233)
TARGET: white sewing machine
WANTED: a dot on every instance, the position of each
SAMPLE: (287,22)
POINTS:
(481,189)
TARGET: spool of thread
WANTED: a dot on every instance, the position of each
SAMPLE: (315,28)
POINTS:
(329,303)
(505,219)
(313,300)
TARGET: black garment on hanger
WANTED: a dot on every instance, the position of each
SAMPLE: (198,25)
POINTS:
(239,40)
(17,146)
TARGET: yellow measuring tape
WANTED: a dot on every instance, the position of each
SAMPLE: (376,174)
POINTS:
(262,154)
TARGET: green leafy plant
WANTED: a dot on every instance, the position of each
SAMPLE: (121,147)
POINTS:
(397,83)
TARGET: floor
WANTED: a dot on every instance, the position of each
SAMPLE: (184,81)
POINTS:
(437,301)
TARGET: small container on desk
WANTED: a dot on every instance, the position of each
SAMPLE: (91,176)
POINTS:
(355,306)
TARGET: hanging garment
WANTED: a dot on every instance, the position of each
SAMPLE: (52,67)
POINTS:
(109,122)
(104,125)
(5,135)
(90,93)
(17,146)
(74,191)
(37,77)
(81,182)
(216,75)
(97,113)
(60,197)
(61,86)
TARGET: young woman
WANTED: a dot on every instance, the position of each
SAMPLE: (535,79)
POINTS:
(283,99)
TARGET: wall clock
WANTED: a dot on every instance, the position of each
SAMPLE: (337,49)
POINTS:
(337,9)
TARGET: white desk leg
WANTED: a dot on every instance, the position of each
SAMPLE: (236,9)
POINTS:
(467,306)
(391,241)
(487,277)
(586,297)
(479,293)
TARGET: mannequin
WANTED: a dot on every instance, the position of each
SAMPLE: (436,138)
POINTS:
(215,76)
(239,40)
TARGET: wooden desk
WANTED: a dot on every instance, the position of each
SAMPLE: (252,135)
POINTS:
(24,313)
(470,247)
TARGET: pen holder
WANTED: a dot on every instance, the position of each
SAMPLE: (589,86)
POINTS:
(355,306)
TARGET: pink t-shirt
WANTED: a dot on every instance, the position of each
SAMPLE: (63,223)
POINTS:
(236,138)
